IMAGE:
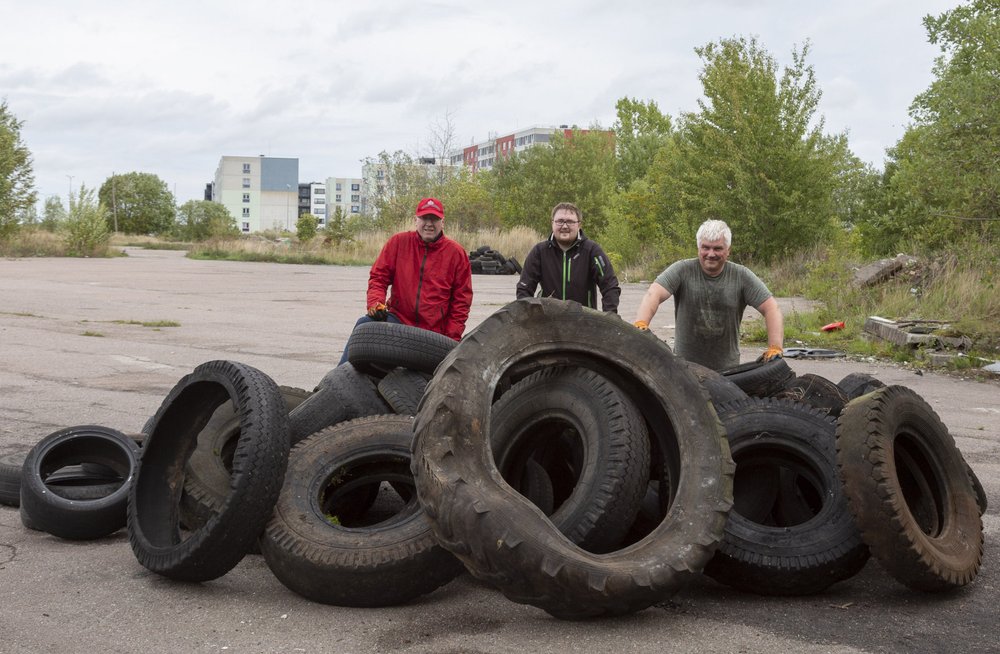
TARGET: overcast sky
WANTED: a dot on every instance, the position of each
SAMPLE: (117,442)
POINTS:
(170,87)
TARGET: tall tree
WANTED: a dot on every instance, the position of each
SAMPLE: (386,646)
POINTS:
(53,213)
(138,203)
(579,168)
(17,179)
(945,182)
(753,154)
(640,131)
(400,183)
(199,220)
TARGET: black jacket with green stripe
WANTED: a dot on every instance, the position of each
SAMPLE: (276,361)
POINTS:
(574,274)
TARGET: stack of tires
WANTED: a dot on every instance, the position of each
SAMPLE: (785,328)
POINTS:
(544,454)
(487,261)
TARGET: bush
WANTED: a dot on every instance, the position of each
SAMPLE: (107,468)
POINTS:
(85,230)
(305,227)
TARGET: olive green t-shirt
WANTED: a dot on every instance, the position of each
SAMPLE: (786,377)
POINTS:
(708,310)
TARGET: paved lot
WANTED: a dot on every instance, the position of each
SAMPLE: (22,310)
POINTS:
(71,352)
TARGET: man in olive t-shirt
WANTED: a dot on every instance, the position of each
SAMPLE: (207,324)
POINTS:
(710,295)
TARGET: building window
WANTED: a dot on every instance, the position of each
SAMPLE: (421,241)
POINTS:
(355,198)
(338,197)
(320,211)
(246,227)
(246,168)
(319,191)
(246,197)
(355,187)
(339,186)
(246,182)
(355,208)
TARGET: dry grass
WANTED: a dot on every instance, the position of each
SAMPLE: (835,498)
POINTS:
(42,243)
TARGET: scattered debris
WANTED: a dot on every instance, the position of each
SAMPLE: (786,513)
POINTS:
(882,270)
(915,333)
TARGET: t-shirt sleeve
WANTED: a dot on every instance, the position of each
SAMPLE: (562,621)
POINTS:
(670,278)
(755,291)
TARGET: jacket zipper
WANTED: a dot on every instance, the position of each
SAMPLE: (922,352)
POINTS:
(420,285)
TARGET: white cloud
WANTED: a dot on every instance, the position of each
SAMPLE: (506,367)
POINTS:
(169,87)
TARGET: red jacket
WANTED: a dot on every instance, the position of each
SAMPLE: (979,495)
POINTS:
(431,283)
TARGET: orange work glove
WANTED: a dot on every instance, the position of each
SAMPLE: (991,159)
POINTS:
(642,324)
(378,312)
(773,352)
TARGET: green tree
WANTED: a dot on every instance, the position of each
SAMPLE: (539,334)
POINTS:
(305,227)
(395,194)
(337,230)
(200,220)
(753,155)
(85,230)
(17,179)
(53,213)
(944,186)
(640,131)
(138,203)
(579,168)
(468,203)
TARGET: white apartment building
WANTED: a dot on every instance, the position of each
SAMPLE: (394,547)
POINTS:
(260,192)
(345,193)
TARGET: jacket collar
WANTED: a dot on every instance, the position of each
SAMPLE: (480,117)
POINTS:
(580,238)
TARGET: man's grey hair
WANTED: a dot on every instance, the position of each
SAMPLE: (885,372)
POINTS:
(713,230)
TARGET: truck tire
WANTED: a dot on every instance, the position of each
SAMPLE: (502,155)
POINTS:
(378,347)
(259,461)
(768,436)
(603,434)
(909,489)
(503,538)
(365,560)
(343,394)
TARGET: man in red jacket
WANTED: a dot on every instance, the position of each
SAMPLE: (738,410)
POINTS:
(429,276)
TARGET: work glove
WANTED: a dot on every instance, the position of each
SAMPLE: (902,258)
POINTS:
(773,352)
(642,325)
(378,312)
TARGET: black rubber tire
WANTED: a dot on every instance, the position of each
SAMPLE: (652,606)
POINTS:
(977,486)
(606,436)
(259,461)
(483,249)
(10,477)
(857,384)
(720,388)
(86,515)
(502,537)
(760,378)
(382,346)
(208,472)
(343,394)
(909,489)
(768,436)
(516,264)
(816,391)
(392,561)
(402,389)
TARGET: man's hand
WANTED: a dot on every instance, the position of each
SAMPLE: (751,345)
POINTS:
(642,325)
(773,352)
(378,312)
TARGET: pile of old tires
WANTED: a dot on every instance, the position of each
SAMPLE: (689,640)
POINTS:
(487,261)
(557,453)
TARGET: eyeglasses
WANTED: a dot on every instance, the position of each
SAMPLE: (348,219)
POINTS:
(564,223)
(429,217)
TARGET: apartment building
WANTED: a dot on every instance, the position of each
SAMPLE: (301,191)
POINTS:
(483,155)
(312,199)
(260,192)
(347,194)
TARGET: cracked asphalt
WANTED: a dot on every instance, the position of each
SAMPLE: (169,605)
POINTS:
(88,341)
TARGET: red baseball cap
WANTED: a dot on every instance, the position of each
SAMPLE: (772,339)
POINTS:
(431,206)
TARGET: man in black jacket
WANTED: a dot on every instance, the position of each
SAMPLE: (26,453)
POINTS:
(569,266)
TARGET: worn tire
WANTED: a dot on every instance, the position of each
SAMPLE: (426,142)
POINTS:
(208,472)
(81,514)
(909,489)
(768,436)
(343,394)
(10,477)
(402,389)
(259,461)
(760,378)
(368,561)
(499,535)
(382,346)
(816,391)
(720,388)
(606,446)
(856,384)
